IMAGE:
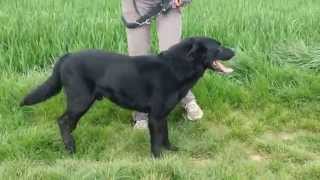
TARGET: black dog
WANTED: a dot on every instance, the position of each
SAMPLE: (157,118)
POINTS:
(151,84)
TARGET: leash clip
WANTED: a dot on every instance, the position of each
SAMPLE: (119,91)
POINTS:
(147,21)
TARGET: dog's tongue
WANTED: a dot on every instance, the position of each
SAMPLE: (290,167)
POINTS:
(218,66)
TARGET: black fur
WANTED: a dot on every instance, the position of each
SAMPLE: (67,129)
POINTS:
(151,84)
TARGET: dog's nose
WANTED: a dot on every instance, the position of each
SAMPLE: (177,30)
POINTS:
(225,54)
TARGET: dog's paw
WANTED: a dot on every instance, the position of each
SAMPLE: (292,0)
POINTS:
(71,149)
(156,153)
(173,148)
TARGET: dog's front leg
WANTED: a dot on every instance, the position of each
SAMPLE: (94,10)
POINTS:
(157,134)
(166,143)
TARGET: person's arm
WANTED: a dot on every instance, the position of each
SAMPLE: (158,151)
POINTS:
(178,2)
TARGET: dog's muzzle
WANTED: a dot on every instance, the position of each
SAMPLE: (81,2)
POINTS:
(224,54)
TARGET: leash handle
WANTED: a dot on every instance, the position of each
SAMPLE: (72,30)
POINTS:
(163,7)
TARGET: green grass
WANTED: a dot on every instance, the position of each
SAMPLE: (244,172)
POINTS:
(262,122)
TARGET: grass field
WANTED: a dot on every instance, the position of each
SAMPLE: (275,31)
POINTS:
(262,122)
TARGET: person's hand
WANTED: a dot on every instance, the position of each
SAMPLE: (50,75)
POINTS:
(178,2)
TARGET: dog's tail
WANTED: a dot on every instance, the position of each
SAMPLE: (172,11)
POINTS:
(49,88)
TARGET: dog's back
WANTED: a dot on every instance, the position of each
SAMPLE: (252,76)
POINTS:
(127,81)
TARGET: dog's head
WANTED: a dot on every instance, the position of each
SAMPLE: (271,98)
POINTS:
(202,51)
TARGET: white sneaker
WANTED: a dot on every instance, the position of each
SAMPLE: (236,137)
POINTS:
(193,111)
(141,124)
(140,120)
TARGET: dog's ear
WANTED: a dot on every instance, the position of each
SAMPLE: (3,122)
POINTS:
(196,50)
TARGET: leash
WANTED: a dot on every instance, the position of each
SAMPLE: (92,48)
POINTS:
(163,7)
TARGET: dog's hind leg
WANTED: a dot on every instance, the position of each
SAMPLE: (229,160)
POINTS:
(65,131)
(78,102)
(68,121)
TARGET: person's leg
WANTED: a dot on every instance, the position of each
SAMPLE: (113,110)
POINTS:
(169,28)
(138,44)
(139,38)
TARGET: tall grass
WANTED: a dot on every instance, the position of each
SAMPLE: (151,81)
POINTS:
(269,108)
(34,32)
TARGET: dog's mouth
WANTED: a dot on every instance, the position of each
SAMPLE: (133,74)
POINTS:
(221,68)
(224,54)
